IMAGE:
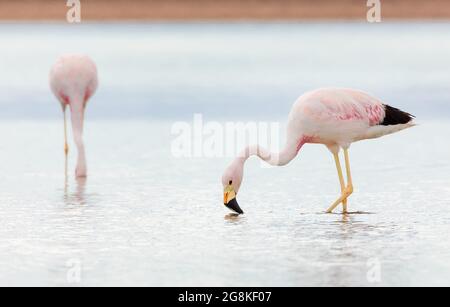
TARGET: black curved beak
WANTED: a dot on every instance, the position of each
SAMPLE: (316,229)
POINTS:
(234,206)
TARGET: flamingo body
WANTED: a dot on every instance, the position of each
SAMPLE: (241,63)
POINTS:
(73,80)
(343,116)
(333,117)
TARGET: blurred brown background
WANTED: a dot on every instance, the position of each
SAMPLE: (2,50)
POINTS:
(222,9)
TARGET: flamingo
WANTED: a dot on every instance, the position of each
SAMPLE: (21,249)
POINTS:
(73,80)
(334,117)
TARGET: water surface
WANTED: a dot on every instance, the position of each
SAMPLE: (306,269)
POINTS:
(144,218)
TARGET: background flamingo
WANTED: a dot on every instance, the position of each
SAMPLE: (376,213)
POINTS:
(73,80)
(333,117)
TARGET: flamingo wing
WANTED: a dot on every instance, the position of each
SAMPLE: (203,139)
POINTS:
(352,105)
(346,115)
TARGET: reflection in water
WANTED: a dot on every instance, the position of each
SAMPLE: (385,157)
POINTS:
(234,218)
(352,245)
(79,196)
(345,218)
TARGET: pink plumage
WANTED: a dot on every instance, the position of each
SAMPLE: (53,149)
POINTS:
(73,80)
(333,117)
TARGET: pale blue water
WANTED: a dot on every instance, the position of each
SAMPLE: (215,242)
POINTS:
(146,218)
(173,70)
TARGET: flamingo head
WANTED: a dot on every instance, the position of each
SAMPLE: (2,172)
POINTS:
(231,181)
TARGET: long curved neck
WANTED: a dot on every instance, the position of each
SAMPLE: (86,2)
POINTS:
(77,114)
(282,158)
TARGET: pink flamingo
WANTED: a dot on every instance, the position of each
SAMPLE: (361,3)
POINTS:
(73,80)
(333,117)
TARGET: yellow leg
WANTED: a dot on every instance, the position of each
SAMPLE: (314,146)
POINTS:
(349,190)
(341,181)
(66,145)
(337,202)
(346,191)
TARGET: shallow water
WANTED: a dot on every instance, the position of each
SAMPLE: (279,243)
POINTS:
(145,218)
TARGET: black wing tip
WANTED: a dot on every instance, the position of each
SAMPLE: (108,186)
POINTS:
(396,116)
